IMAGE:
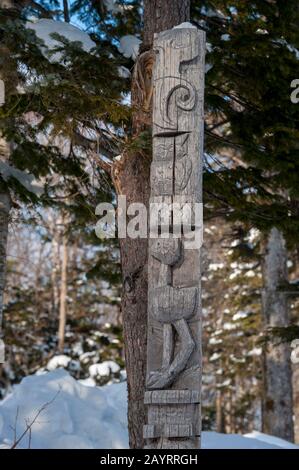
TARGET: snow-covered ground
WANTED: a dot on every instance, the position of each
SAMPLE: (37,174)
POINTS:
(70,415)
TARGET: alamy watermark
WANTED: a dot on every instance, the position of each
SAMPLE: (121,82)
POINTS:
(295,351)
(2,93)
(2,351)
(295,93)
(179,219)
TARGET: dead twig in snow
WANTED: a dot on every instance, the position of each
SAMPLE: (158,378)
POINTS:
(29,424)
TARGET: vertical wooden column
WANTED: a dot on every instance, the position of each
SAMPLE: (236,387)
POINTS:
(174,323)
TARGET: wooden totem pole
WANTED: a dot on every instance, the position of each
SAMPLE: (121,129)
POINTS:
(174,324)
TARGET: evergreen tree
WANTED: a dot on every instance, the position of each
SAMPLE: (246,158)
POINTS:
(253,60)
(80,98)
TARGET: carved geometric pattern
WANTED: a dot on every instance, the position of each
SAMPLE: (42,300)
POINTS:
(170,397)
(171,304)
(174,349)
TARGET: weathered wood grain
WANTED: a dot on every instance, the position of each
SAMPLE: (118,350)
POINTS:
(174,323)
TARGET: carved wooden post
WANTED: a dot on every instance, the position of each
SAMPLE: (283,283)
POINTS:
(174,323)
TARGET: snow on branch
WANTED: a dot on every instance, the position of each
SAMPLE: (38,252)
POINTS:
(129,46)
(45,29)
(25,179)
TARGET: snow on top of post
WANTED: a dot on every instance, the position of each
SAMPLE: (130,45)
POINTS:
(185,25)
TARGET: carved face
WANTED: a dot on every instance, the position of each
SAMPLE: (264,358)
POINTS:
(167,251)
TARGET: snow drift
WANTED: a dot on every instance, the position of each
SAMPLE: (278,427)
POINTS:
(76,416)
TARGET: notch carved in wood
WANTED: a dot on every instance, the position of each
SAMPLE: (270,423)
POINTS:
(171,307)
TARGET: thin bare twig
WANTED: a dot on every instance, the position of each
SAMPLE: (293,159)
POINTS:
(29,425)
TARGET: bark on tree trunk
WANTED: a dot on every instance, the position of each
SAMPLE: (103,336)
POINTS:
(7,4)
(219,412)
(66,11)
(277,409)
(131,178)
(160,15)
(55,258)
(5,200)
(63,293)
(5,204)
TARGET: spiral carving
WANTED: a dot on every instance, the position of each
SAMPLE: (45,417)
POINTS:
(184,96)
(178,94)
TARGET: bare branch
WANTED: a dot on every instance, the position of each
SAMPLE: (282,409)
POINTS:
(31,423)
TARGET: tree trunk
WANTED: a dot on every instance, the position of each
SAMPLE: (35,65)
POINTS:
(5,204)
(228,413)
(63,292)
(55,265)
(219,412)
(277,409)
(131,177)
(5,201)
(7,3)
(66,12)
(160,15)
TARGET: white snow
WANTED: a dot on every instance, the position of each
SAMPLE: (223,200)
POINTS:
(229,326)
(240,315)
(129,46)
(214,440)
(63,361)
(255,352)
(262,31)
(123,72)
(87,357)
(185,25)
(209,47)
(215,357)
(79,417)
(208,67)
(89,382)
(44,28)
(235,274)
(83,417)
(218,332)
(25,179)
(103,369)
(60,360)
(250,273)
(2,93)
(112,6)
(225,37)
(215,266)
(293,49)
(213,13)
(290,47)
(236,360)
(272,440)
(253,235)
(215,341)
